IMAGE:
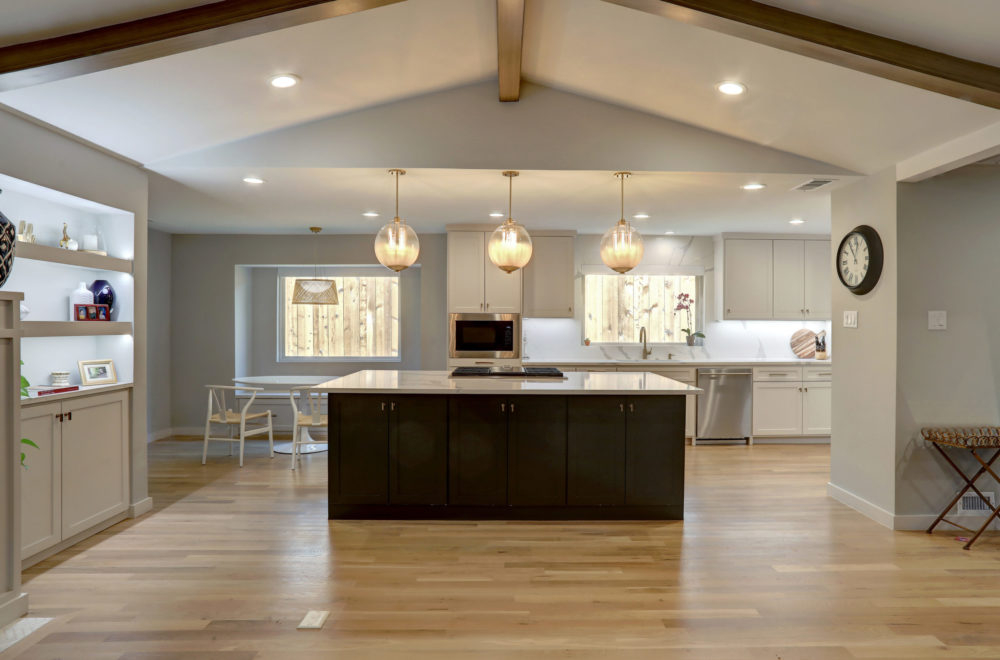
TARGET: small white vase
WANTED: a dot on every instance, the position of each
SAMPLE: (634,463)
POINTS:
(79,296)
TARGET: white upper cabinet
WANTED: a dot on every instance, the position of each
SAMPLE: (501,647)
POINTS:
(747,273)
(548,278)
(789,281)
(779,278)
(817,280)
(474,284)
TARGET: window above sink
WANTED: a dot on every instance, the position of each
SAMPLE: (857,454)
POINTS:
(616,307)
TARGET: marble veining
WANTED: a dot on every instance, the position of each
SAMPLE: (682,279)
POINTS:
(440,382)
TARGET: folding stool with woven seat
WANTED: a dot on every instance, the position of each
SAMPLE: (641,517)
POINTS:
(971,439)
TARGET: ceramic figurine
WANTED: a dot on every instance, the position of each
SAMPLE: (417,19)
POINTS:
(64,242)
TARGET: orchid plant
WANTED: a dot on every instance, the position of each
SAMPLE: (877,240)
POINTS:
(684,302)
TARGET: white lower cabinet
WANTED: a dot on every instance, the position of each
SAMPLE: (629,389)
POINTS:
(777,409)
(817,408)
(792,401)
(78,478)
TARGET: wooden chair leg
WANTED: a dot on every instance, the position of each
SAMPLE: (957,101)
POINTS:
(295,445)
(204,450)
(242,440)
(270,433)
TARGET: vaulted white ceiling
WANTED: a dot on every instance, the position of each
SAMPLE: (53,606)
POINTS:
(177,113)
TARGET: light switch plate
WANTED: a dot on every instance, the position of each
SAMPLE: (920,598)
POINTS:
(937,320)
(850,319)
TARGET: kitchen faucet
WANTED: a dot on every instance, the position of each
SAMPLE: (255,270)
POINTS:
(646,352)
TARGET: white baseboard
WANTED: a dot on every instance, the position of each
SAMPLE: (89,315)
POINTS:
(861,505)
(811,440)
(13,608)
(158,435)
(140,507)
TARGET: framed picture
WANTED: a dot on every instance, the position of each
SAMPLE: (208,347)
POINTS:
(85,312)
(98,372)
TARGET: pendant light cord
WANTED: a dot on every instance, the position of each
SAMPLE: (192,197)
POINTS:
(397,195)
(623,197)
(510,197)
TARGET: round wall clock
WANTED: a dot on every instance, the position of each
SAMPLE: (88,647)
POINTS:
(859,260)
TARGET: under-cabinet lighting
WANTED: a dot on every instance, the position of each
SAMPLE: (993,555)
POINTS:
(253,180)
(754,186)
(796,221)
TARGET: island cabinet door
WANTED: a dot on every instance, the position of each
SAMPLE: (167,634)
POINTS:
(596,451)
(536,450)
(477,450)
(359,449)
(654,451)
(418,450)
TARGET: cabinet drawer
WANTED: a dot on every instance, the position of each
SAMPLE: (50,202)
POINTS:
(818,373)
(777,374)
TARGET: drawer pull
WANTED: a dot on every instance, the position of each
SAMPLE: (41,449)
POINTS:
(778,374)
(621,407)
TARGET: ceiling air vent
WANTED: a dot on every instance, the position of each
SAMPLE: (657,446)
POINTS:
(813,184)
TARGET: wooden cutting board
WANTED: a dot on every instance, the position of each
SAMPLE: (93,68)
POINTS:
(803,344)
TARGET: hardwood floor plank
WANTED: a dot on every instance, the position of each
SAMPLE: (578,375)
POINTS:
(764,566)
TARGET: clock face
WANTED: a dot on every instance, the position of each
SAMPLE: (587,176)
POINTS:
(859,260)
(854,259)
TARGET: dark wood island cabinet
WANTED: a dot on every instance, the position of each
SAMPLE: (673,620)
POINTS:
(418,445)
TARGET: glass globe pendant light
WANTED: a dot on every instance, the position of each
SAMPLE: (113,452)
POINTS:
(315,291)
(510,244)
(621,246)
(396,244)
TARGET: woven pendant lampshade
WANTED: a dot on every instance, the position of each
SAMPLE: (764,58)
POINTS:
(621,246)
(510,245)
(315,291)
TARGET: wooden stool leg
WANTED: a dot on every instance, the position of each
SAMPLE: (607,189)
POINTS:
(986,467)
(969,483)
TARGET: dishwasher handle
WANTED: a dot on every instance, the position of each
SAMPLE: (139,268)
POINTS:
(724,371)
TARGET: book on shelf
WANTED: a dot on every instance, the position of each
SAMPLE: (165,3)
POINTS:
(46,390)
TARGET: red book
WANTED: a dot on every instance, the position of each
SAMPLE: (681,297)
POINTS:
(45,390)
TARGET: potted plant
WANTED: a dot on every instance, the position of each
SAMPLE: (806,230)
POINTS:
(684,302)
(24,441)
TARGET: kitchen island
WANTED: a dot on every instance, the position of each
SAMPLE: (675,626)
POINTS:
(424,445)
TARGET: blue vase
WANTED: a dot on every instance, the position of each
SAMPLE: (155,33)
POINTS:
(104,294)
(7,236)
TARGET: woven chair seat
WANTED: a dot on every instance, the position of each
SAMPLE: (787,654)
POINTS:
(963,437)
(234,417)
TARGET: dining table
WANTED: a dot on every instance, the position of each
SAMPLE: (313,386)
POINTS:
(283,384)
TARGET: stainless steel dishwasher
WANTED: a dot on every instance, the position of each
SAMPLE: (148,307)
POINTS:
(725,407)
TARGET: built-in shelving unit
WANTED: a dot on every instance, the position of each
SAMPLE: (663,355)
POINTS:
(75,328)
(71,258)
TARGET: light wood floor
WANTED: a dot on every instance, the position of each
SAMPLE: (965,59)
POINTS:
(764,567)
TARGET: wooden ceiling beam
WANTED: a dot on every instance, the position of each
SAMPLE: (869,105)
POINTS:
(111,46)
(899,61)
(510,36)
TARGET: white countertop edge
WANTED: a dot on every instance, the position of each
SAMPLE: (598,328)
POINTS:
(661,364)
(440,382)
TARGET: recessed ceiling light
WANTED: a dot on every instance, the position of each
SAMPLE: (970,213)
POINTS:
(284,81)
(370,214)
(496,214)
(640,216)
(253,180)
(753,186)
(669,233)
(796,221)
(730,88)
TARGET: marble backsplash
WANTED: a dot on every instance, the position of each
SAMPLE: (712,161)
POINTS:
(562,339)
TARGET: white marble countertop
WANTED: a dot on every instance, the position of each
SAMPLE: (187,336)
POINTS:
(664,364)
(440,382)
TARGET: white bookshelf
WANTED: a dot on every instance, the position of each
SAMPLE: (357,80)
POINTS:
(46,273)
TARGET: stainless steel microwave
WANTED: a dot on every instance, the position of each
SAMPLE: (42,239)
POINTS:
(495,336)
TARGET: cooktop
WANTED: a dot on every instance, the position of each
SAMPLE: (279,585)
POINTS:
(518,372)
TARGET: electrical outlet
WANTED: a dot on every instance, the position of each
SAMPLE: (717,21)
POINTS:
(937,320)
(850,319)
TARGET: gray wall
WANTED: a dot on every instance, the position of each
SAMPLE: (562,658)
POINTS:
(204,309)
(862,447)
(158,338)
(949,232)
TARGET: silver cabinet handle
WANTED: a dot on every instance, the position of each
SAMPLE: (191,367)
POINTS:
(487,305)
(512,407)
(383,406)
(392,406)
(621,407)
(631,407)
(807,389)
(503,407)
(778,374)
(807,311)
